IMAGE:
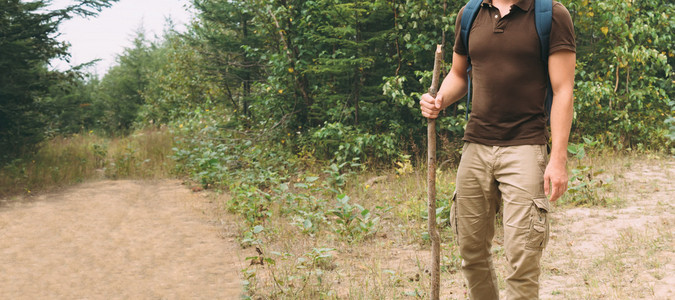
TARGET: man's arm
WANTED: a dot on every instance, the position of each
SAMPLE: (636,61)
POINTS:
(452,89)
(561,72)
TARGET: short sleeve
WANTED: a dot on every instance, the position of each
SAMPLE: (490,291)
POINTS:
(459,47)
(562,30)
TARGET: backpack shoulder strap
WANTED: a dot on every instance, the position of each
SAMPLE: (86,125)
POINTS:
(470,12)
(543,17)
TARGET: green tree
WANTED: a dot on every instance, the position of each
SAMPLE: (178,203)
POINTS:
(121,89)
(27,44)
(182,82)
(72,106)
(302,64)
(624,91)
(229,39)
(342,77)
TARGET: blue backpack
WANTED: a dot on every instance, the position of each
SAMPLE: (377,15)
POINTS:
(543,15)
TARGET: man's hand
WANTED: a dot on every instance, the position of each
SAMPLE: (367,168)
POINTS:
(431,106)
(452,89)
(555,179)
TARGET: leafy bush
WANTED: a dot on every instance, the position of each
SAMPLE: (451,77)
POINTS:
(290,282)
(586,187)
(352,220)
(624,87)
(344,143)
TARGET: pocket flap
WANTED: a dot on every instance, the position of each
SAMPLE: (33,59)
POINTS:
(539,228)
(541,203)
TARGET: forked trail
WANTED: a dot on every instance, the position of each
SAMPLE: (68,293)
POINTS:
(116,240)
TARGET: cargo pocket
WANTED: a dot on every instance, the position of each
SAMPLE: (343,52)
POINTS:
(539,225)
(453,216)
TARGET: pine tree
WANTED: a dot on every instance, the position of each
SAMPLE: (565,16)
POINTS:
(27,44)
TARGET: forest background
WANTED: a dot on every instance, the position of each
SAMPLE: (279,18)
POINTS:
(286,101)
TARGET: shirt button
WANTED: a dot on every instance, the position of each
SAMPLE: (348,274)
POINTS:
(496,16)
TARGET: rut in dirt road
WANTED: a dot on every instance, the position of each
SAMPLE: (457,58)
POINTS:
(116,240)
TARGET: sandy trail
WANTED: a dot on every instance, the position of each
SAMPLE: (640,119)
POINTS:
(116,240)
(617,253)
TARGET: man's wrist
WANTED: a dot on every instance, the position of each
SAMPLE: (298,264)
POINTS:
(443,104)
(558,159)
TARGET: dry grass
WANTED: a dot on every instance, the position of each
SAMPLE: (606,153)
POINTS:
(619,251)
(68,160)
(389,264)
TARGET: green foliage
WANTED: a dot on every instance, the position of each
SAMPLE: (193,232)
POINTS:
(443,204)
(178,83)
(74,107)
(624,87)
(258,177)
(586,186)
(337,177)
(27,44)
(341,77)
(291,282)
(352,220)
(121,89)
(313,64)
(248,169)
(670,122)
(347,143)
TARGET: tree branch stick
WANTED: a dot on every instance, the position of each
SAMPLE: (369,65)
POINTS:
(431,182)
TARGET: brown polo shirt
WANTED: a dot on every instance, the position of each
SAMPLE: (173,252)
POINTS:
(508,75)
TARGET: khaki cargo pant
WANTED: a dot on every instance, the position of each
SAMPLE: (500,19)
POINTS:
(486,176)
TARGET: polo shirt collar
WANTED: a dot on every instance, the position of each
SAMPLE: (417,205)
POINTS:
(524,5)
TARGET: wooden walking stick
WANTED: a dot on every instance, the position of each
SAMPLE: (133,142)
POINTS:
(431,183)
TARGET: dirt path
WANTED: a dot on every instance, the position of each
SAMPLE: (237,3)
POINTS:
(116,240)
(617,253)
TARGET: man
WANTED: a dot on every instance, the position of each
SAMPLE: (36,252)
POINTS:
(505,154)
